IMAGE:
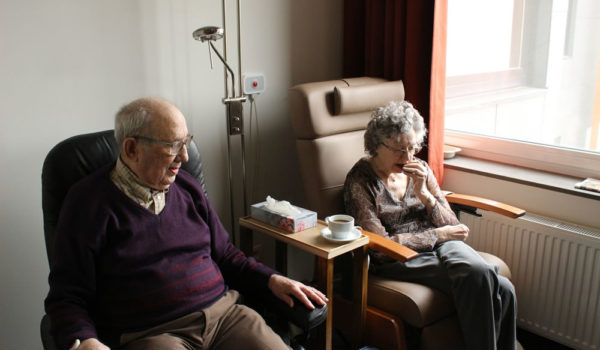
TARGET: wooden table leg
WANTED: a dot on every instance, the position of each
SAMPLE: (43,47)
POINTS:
(359,293)
(329,322)
(324,272)
(281,257)
(246,241)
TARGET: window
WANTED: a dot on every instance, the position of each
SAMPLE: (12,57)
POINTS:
(523,83)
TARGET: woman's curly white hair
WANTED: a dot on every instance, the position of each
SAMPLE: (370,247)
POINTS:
(391,120)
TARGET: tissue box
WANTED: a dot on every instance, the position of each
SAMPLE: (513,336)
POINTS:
(306,219)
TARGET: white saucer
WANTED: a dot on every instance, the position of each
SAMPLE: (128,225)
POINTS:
(354,234)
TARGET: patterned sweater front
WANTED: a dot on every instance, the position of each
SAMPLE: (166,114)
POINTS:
(405,220)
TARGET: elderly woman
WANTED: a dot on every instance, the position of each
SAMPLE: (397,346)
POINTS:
(394,194)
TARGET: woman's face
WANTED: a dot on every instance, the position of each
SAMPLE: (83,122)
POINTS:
(396,151)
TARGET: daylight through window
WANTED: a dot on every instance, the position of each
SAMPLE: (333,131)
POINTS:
(524,71)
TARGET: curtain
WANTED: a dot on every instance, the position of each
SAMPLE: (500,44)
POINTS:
(403,40)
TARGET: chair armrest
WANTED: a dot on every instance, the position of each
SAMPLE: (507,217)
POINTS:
(303,317)
(401,253)
(486,204)
(48,341)
(388,247)
(270,307)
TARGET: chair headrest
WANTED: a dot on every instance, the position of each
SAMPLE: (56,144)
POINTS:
(338,106)
(365,98)
(78,156)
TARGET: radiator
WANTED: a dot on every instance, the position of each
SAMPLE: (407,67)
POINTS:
(555,269)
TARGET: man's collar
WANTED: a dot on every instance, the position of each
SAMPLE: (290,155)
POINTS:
(132,182)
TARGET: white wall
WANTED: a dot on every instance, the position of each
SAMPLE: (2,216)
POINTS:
(66,66)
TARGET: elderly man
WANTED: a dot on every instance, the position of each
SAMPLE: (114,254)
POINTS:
(143,261)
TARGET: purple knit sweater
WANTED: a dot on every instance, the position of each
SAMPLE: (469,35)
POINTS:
(119,268)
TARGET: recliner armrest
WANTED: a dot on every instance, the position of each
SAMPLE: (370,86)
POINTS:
(48,341)
(267,304)
(486,204)
(300,315)
(402,253)
(388,247)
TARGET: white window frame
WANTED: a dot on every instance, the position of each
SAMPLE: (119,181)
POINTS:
(571,162)
(514,76)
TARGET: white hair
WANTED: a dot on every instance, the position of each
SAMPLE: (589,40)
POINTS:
(395,118)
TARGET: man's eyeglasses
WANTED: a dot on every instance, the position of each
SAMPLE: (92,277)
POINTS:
(174,147)
(412,149)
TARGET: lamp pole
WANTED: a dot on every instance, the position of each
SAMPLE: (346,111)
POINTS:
(234,107)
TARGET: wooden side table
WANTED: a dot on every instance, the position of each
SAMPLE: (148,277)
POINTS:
(311,241)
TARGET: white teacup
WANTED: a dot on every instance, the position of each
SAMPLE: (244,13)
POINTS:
(340,225)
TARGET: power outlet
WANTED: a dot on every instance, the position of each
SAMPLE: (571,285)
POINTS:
(254,84)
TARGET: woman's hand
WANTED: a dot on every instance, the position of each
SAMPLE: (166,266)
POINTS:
(418,173)
(458,232)
(284,287)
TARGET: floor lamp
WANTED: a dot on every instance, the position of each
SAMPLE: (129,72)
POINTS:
(234,111)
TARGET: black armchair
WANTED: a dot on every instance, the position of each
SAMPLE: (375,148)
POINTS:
(78,156)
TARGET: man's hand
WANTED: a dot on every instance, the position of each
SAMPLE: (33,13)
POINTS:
(458,232)
(92,344)
(283,287)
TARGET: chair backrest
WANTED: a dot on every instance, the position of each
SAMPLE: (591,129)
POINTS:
(74,158)
(329,119)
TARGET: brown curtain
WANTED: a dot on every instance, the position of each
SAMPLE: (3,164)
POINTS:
(403,40)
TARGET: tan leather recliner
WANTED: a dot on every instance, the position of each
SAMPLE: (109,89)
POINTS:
(329,119)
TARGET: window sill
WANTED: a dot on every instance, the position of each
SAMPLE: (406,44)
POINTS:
(521,175)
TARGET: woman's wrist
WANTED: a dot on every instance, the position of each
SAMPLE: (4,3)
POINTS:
(429,201)
(439,232)
(432,201)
